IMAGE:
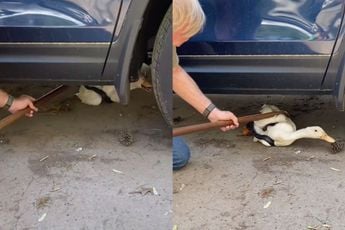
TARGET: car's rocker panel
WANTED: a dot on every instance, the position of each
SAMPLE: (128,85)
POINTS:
(275,46)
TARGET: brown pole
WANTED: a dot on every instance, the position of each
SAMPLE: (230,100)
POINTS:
(207,126)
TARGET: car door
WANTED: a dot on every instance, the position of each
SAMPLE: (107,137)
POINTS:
(263,45)
(56,40)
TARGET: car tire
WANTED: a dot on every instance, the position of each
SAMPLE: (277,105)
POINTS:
(161,67)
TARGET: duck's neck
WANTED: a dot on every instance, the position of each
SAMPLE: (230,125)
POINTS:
(301,133)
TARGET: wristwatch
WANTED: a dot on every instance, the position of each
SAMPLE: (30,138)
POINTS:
(208,110)
(9,102)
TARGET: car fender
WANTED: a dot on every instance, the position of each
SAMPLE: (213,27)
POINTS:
(117,64)
(335,75)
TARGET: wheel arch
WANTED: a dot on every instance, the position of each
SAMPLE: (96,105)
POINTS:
(152,19)
(130,49)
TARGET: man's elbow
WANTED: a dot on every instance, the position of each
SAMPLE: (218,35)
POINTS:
(177,70)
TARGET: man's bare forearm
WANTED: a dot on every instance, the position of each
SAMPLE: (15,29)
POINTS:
(187,89)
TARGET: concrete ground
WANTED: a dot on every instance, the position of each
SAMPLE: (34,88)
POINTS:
(67,169)
(234,183)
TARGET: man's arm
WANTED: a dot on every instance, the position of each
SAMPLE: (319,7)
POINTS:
(188,90)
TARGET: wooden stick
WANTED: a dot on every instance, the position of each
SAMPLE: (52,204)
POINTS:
(211,125)
(10,119)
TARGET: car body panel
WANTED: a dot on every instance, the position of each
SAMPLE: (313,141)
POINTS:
(47,62)
(58,21)
(335,76)
(101,42)
(280,46)
(71,49)
(263,74)
(279,26)
(87,47)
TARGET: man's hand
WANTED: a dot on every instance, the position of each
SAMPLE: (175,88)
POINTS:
(23,102)
(219,115)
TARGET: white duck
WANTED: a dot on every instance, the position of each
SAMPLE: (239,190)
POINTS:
(280,130)
(95,95)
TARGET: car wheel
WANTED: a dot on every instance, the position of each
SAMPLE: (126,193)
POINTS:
(162,67)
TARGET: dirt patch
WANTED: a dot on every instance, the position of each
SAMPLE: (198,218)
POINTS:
(207,166)
(225,214)
(147,110)
(111,160)
(56,160)
(306,105)
(58,107)
(113,132)
(285,160)
(126,138)
(267,192)
(4,140)
(42,202)
(136,135)
(215,142)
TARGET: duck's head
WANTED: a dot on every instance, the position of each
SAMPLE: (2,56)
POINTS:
(318,133)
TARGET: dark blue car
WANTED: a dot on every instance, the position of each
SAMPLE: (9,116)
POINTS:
(269,47)
(101,42)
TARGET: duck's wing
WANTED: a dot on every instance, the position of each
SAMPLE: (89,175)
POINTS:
(88,96)
(291,123)
(281,133)
(272,120)
(269,108)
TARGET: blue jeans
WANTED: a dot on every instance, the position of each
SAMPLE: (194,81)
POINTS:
(181,153)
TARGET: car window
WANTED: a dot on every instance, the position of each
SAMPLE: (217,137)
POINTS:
(35,20)
(280,32)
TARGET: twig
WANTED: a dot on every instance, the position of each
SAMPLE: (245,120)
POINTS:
(334,169)
(44,158)
(268,158)
(55,190)
(92,157)
(117,171)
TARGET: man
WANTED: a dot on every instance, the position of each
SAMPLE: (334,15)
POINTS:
(13,105)
(188,20)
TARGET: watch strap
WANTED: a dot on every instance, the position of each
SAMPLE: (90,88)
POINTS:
(208,110)
(9,102)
